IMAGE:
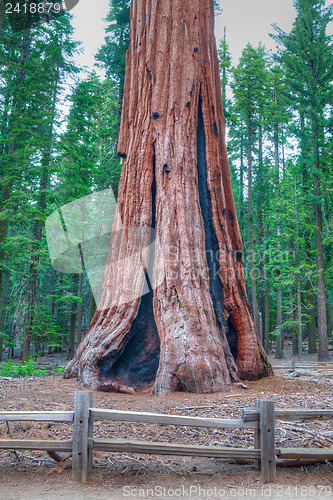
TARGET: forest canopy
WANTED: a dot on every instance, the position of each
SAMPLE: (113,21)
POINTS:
(278,110)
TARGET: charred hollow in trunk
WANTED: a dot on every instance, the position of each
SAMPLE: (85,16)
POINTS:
(212,245)
(137,363)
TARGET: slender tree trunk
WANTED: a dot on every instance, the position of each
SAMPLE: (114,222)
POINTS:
(250,222)
(2,13)
(327,219)
(53,304)
(79,310)
(93,307)
(35,258)
(298,284)
(266,261)
(4,273)
(292,318)
(224,71)
(3,307)
(279,303)
(321,300)
(3,227)
(279,318)
(309,296)
(9,145)
(4,124)
(32,288)
(266,345)
(311,328)
(326,212)
(261,233)
(292,307)
(241,180)
(283,154)
(194,326)
(72,321)
(317,142)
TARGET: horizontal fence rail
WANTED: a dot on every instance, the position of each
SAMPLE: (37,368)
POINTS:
(145,447)
(306,453)
(160,418)
(36,444)
(260,419)
(322,366)
(37,416)
(253,415)
(325,367)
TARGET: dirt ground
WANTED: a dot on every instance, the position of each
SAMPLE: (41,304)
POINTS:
(33,475)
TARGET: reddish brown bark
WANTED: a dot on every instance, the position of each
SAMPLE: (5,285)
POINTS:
(192,330)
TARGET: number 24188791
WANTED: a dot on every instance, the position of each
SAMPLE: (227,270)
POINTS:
(33,8)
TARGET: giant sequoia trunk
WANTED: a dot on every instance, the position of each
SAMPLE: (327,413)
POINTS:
(193,330)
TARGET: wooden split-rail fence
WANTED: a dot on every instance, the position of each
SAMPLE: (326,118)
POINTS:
(261,420)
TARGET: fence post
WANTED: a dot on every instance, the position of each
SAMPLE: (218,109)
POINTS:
(80,454)
(257,435)
(267,441)
(90,432)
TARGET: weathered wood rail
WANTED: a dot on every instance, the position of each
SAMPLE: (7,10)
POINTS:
(36,444)
(260,419)
(253,415)
(301,365)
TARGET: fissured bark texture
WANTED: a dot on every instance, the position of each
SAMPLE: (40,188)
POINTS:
(194,330)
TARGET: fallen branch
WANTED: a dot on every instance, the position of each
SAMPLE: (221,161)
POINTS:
(196,407)
(135,460)
(318,437)
(18,456)
(55,456)
(287,462)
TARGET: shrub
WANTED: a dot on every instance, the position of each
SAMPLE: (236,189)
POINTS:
(28,369)
(58,370)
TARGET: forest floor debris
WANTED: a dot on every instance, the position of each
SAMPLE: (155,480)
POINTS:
(112,472)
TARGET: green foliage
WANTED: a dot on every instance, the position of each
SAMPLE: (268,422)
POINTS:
(307,54)
(112,55)
(58,370)
(88,155)
(44,330)
(217,7)
(286,101)
(225,66)
(35,66)
(28,369)
(251,80)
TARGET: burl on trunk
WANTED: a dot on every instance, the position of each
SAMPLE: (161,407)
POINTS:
(193,331)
